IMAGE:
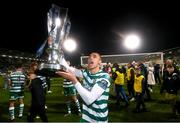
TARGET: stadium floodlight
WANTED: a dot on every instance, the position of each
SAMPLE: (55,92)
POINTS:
(69,45)
(132,41)
(4,56)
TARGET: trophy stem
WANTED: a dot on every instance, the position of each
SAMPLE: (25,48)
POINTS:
(58,30)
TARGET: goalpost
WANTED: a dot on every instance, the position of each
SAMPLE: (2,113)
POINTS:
(154,57)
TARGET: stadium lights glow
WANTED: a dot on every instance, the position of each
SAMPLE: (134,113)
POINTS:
(132,41)
(69,45)
(20,57)
(3,55)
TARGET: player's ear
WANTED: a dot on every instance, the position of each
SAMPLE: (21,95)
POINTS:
(100,62)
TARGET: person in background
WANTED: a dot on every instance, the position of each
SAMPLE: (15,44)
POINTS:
(108,68)
(37,107)
(157,73)
(70,94)
(41,76)
(144,72)
(171,84)
(16,91)
(139,87)
(130,81)
(118,77)
(150,78)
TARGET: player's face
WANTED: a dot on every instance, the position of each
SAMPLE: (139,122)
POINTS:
(170,69)
(137,71)
(128,65)
(94,61)
(35,67)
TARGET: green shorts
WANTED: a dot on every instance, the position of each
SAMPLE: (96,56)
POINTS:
(16,95)
(70,91)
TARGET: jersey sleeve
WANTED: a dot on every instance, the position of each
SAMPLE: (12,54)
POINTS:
(104,81)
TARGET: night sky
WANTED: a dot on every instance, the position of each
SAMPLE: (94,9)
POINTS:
(95,26)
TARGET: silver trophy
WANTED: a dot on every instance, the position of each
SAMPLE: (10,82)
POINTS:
(58,29)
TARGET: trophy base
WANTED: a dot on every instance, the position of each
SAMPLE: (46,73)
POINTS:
(47,69)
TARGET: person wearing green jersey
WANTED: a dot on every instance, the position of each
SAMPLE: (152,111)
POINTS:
(94,89)
(16,91)
(70,94)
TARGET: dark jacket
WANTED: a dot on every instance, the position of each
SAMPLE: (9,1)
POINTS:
(171,82)
(37,93)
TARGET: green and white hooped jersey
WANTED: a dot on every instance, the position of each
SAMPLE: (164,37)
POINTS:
(67,83)
(98,110)
(18,79)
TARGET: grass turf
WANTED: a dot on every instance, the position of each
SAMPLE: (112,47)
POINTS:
(160,110)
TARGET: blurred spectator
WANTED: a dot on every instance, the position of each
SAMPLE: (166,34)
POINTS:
(118,77)
(157,73)
(145,74)
(37,107)
(150,77)
(171,85)
(16,88)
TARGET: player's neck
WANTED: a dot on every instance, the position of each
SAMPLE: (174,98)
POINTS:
(94,70)
(19,69)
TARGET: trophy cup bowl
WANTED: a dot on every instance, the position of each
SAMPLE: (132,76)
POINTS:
(58,29)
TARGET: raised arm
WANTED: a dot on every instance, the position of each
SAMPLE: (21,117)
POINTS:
(73,70)
(88,96)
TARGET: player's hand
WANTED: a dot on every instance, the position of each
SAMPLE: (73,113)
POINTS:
(68,75)
(64,63)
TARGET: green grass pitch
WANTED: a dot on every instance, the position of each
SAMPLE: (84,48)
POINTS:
(159,110)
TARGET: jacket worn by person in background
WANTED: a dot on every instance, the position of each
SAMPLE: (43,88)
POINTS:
(171,82)
(139,84)
(143,71)
(37,93)
(118,78)
(130,75)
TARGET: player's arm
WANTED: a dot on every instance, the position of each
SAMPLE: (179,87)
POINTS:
(114,76)
(76,72)
(88,96)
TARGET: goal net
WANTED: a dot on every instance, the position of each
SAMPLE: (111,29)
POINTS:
(155,57)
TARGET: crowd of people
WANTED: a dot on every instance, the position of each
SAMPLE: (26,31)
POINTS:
(140,78)
(93,85)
